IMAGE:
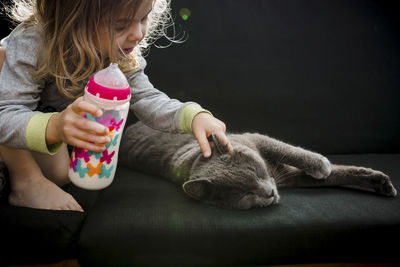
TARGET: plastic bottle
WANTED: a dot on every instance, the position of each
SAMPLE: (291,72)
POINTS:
(109,90)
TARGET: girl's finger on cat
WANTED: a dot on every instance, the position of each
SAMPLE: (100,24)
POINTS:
(204,145)
(212,144)
(211,141)
(224,141)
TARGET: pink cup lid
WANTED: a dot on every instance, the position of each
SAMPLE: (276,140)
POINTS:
(108,93)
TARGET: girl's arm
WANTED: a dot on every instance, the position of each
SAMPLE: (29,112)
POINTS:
(23,128)
(2,56)
(158,111)
(19,93)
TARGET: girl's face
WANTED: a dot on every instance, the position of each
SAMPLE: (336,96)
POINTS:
(128,32)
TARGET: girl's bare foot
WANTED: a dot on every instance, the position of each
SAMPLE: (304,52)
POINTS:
(29,185)
(41,193)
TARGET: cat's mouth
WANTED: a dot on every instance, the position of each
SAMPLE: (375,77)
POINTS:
(251,200)
(276,198)
(265,202)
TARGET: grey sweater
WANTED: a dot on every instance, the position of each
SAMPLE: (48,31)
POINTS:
(20,95)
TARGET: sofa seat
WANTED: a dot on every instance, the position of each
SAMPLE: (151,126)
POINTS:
(34,236)
(142,219)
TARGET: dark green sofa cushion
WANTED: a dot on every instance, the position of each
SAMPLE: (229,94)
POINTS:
(33,236)
(142,219)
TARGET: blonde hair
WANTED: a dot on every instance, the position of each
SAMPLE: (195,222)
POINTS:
(71,29)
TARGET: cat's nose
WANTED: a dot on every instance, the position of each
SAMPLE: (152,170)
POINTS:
(272,194)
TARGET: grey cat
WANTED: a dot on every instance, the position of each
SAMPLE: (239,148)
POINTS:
(248,177)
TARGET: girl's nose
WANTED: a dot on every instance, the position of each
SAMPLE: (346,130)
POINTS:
(136,32)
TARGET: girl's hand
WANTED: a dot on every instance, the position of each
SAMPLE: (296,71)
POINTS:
(203,125)
(71,127)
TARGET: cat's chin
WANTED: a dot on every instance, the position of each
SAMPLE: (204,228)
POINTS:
(269,202)
(253,201)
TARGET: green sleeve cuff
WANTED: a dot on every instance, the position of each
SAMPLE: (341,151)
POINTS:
(36,134)
(187,115)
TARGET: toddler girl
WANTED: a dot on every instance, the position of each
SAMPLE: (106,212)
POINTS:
(49,57)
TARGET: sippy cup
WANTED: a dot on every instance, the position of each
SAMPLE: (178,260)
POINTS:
(109,90)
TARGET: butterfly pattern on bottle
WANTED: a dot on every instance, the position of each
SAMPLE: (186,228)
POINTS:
(81,159)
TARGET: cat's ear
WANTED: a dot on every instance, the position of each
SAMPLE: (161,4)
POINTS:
(198,189)
(218,146)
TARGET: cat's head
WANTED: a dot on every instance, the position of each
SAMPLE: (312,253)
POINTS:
(236,180)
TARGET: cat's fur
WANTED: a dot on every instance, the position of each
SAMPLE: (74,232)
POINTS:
(247,178)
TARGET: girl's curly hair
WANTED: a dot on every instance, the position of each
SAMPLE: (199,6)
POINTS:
(71,31)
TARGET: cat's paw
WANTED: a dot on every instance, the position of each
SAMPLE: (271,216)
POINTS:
(379,181)
(321,167)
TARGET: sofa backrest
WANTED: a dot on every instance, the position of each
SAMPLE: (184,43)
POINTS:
(324,75)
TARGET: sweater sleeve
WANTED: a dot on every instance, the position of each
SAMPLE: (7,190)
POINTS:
(20,93)
(156,109)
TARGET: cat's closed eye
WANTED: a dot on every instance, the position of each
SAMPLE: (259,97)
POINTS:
(261,173)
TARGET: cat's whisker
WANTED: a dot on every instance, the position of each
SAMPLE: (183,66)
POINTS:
(284,173)
(274,168)
(279,163)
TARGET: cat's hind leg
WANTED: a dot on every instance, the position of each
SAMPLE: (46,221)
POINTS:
(363,178)
(345,176)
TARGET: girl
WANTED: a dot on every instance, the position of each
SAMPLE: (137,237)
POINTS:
(49,57)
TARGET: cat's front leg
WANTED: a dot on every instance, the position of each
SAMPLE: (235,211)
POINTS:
(316,165)
(313,164)
(279,152)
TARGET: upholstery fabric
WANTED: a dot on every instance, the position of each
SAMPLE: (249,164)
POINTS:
(30,236)
(142,219)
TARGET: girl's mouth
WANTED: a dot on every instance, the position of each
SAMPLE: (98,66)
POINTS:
(128,50)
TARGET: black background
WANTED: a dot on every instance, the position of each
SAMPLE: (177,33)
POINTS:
(322,74)
(4,23)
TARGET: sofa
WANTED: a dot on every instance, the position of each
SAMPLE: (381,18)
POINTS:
(323,75)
